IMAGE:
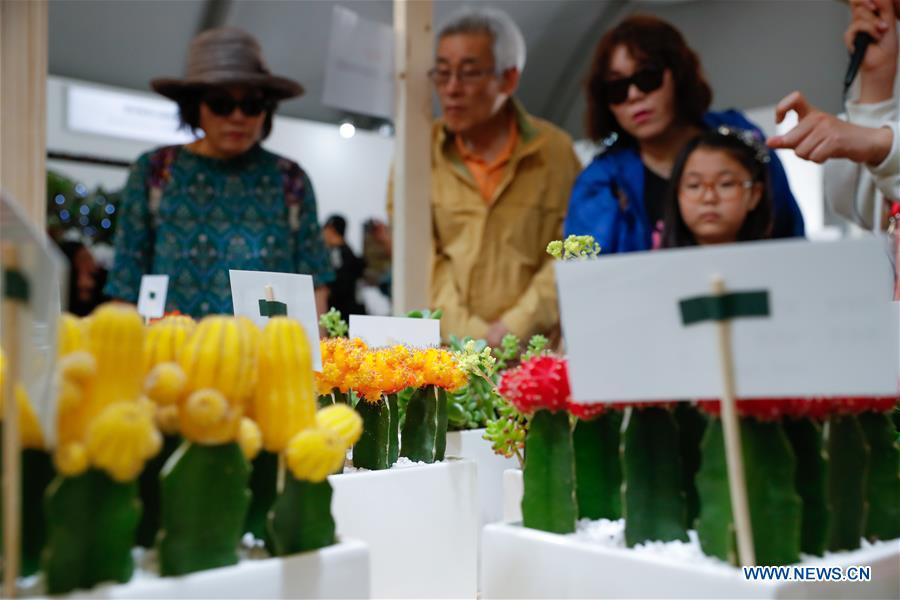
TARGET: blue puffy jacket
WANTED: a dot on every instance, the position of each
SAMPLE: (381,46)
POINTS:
(607,199)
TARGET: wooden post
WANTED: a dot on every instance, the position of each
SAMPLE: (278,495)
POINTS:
(734,456)
(413,56)
(23,104)
(12,478)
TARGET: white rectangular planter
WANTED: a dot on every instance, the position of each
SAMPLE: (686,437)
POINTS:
(513,488)
(338,571)
(525,563)
(471,444)
(421,526)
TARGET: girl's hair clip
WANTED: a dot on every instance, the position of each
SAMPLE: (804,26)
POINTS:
(750,139)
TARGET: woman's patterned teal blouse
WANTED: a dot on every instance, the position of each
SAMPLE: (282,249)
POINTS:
(193,218)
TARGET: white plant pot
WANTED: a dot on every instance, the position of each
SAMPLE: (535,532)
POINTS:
(526,563)
(513,489)
(471,444)
(338,571)
(421,526)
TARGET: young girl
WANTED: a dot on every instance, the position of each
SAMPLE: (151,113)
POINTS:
(719,192)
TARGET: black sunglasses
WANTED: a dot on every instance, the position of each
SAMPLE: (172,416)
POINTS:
(647,80)
(223,104)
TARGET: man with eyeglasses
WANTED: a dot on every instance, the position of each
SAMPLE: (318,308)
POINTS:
(500,185)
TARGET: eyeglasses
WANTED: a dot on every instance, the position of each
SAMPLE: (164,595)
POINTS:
(441,76)
(725,188)
(223,104)
(647,80)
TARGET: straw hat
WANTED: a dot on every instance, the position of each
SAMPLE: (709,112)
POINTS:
(226,56)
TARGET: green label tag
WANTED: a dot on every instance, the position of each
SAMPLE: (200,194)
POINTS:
(272,308)
(726,306)
(15,285)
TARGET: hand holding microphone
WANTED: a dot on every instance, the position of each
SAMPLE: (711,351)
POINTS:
(872,41)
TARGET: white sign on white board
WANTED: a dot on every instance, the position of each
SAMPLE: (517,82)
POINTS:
(378,332)
(830,330)
(295,292)
(152,296)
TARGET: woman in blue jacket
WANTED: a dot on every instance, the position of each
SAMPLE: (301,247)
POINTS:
(646,99)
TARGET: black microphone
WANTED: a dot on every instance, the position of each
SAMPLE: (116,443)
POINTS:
(861,42)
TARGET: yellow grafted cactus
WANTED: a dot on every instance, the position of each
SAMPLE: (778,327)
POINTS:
(342,420)
(219,355)
(79,366)
(167,419)
(30,434)
(121,439)
(249,438)
(165,339)
(71,459)
(116,339)
(207,418)
(285,401)
(165,383)
(71,336)
(313,454)
(254,335)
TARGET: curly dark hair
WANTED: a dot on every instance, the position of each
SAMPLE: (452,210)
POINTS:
(652,41)
(758,222)
(189,110)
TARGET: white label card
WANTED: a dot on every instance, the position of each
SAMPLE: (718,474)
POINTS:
(392,331)
(831,328)
(152,297)
(295,292)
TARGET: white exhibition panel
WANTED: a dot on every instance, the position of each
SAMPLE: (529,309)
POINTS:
(248,287)
(526,563)
(491,467)
(380,332)
(830,331)
(338,571)
(513,490)
(421,526)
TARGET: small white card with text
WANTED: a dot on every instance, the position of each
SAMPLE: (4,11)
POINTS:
(393,331)
(152,297)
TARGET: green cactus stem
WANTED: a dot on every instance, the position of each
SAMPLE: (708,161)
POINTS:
(301,517)
(149,489)
(598,468)
(805,436)
(548,501)
(37,473)
(91,526)
(775,507)
(394,430)
(372,449)
(848,474)
(204,506)
(654,502)
(419,435)
(883,488)
(691,425)
(263,480)
(440,434)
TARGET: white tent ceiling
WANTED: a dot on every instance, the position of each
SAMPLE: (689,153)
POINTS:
(754,51)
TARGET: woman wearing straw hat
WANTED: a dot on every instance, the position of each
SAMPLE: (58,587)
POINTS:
(222,202)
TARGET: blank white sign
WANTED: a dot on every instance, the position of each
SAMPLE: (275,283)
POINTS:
(297,291)
(831,331)
(378,332)
(152,296)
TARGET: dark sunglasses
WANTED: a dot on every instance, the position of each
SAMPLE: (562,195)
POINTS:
(223,104)
(647,80)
